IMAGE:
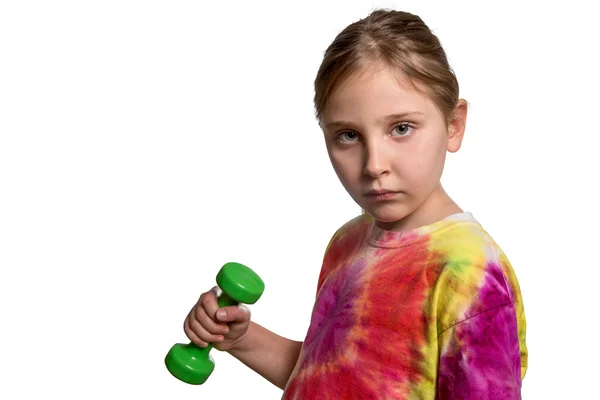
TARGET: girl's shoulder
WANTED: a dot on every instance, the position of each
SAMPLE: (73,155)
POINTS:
(351,234)
(344,243)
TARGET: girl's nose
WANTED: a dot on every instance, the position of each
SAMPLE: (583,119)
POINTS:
(376,161)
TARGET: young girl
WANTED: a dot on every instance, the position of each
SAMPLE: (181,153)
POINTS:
(415,300)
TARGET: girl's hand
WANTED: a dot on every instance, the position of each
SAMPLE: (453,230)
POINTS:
(223,327)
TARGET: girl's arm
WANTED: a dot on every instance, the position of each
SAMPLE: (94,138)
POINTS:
(270,355)
(480,357)
(230,329)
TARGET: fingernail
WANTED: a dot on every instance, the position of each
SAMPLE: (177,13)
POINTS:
(221,314)
(243,307)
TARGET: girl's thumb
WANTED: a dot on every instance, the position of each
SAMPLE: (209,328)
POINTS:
(237,313)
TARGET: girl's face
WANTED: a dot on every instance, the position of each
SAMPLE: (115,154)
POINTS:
(382,135)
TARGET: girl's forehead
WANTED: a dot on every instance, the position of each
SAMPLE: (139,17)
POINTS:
(376,91)
(373,73)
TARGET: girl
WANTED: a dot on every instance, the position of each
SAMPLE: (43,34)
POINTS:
(415,300)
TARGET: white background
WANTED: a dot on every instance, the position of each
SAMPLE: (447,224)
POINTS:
(146,143)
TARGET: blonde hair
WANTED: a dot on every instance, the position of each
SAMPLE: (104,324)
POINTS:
(397,39)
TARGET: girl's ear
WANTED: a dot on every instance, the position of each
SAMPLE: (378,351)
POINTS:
(457,125)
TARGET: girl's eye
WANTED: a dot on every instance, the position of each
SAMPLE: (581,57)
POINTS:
(346,137)
(403,129)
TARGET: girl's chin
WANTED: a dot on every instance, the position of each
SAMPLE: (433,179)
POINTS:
(385,216)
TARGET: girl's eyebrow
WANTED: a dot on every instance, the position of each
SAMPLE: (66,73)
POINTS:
(392,117)
(386,119)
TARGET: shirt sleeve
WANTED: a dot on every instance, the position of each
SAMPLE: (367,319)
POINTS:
(480,357)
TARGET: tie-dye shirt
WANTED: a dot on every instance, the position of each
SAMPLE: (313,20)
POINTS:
(430,313)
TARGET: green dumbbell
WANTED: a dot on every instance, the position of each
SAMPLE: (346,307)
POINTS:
(192,364)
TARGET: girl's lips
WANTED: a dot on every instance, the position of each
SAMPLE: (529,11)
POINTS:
(381,195)
(379,191)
